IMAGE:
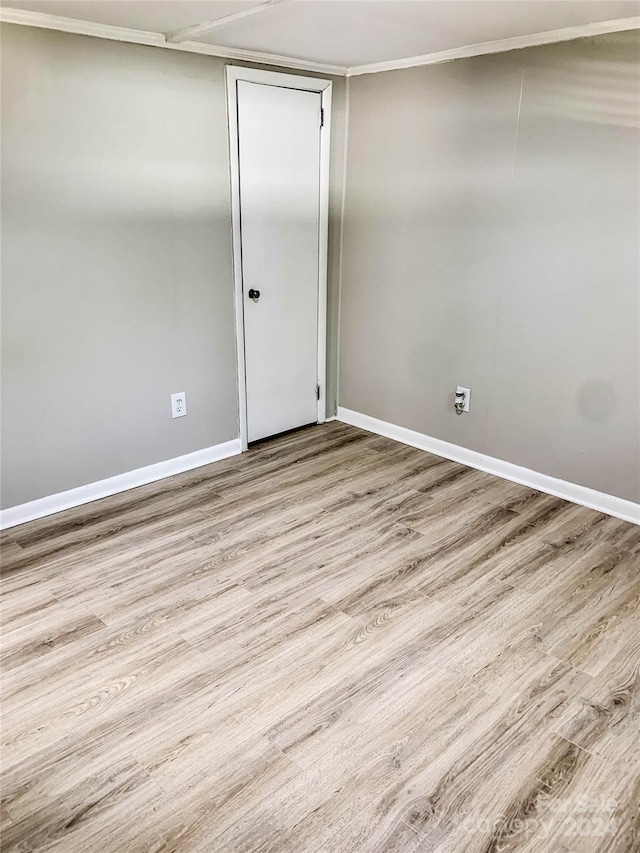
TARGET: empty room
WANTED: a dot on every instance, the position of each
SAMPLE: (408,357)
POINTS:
(320,426)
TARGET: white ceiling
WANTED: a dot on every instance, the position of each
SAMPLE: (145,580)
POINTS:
(149,15)
(343,32)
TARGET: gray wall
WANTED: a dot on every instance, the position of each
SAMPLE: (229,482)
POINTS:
(116,258)
(491,241)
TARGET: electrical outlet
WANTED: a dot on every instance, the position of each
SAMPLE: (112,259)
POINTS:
(467,396)
(178,405)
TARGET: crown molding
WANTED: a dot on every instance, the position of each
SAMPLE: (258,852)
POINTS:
(500,46)
(153,39)
(106,31)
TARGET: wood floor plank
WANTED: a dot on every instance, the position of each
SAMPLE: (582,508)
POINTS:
(333,642)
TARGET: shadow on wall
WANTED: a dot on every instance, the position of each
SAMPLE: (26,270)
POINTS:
(587,88)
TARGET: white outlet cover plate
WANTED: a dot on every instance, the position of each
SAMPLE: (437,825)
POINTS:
(178,405)
(467,396)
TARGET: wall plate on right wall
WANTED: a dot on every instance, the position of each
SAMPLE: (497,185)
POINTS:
(467,396)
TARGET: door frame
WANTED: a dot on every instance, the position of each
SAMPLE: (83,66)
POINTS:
(235,73)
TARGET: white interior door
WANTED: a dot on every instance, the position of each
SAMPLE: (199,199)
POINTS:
(279,184)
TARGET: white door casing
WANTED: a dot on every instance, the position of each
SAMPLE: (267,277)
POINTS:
(279,158)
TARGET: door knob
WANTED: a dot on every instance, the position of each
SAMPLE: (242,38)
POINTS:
(254,294)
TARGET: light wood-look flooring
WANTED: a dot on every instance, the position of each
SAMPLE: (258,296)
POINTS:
(331,643)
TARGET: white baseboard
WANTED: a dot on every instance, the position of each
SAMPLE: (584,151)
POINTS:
(113,485)
(609,504)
